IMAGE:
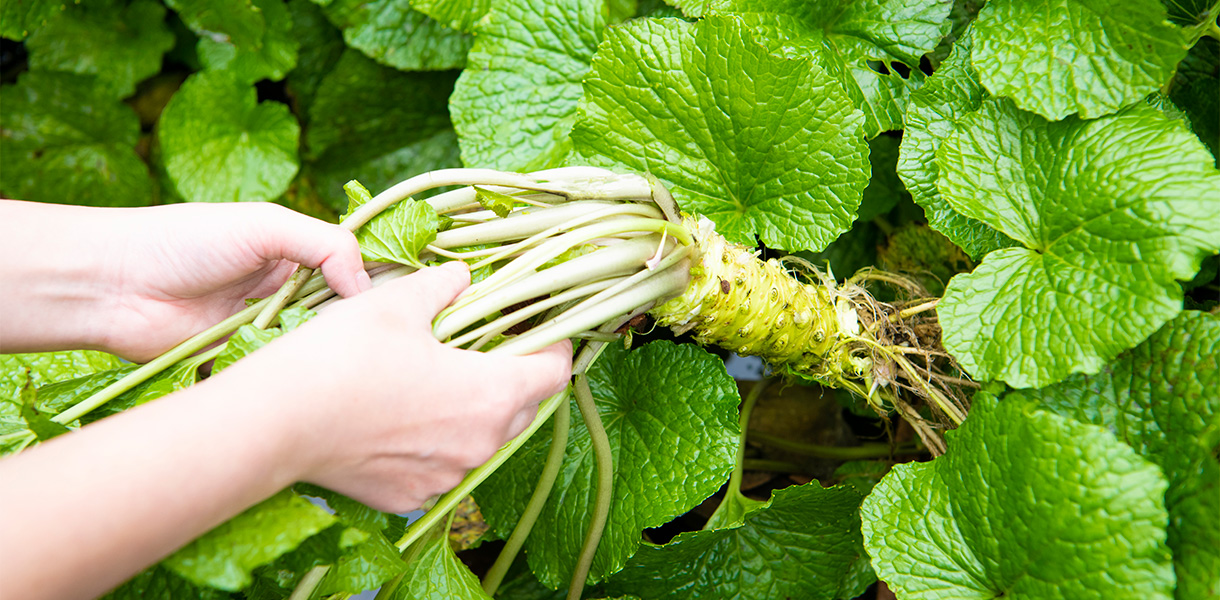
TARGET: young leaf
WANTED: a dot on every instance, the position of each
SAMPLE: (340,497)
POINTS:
(394,34)
(44,368)
(858,43)
(671,414)
(160,583)
(61,395)
(800,545)
(65,139)
(120,43)
(273,57)
(502,120)
(1161,397)
(496,202)
(434,571)
(1025,504)
(1075,56)
(951,93)
(224,557)
(399,234)
(245,340)
(759,144)
(364,566)
(1110,214)
(221,145)
(38,423)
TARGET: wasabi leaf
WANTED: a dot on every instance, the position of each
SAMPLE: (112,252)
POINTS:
(671,414)
(221,145)
(120,43)
(321,45)
(1161,397)
(1110,213)
(45,368)
(860,44)
(799,545)
(951,93)
(434,571)
(365,566)
(65,139)
(225,556)
(245,340)
(274,56)
(392,33)
(1090,57)
(399,234)
(759,144)
(237,22)
(1196,90)
(462,15)
(379,126)
(18,18)
(1026,504)
(514,105)
(160,583)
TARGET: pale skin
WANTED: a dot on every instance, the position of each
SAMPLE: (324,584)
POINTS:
(362,399)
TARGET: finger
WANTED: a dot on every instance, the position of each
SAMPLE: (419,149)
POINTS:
(544,373)
(522,420)
(425,292)
(315,244)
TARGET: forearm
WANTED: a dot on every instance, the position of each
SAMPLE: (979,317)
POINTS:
(52,296)
(129,490)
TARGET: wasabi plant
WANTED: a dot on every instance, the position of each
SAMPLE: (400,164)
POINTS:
(733,174)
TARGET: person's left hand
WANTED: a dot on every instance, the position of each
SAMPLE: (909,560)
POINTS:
(137,281)
(186,267)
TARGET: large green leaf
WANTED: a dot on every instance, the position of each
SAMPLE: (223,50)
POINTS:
(1110,214)
(44,368)
(1161,397)
(221,145)
(1025,505)
(274,56)
(671,414)
(951,93)
(237,22)
(364,566)
(1061,57)
(1196,90)
(65,139)
(396,35)
(378,125)
(321,47)
(224,557)
(514,104)
(860,44)
(120,43)
(798,546)
(463,15)
(760,144)
(18,18)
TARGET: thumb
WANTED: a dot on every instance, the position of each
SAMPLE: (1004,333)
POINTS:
(427,291)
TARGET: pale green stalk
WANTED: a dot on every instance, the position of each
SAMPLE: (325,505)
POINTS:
(533,508)
(604,459)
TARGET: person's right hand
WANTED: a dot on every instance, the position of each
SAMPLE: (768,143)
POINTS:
(377,409)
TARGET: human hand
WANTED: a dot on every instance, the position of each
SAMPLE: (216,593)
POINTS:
(186,267)
(136,282)
(374,407)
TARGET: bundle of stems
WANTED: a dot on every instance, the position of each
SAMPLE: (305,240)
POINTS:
(577,252)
